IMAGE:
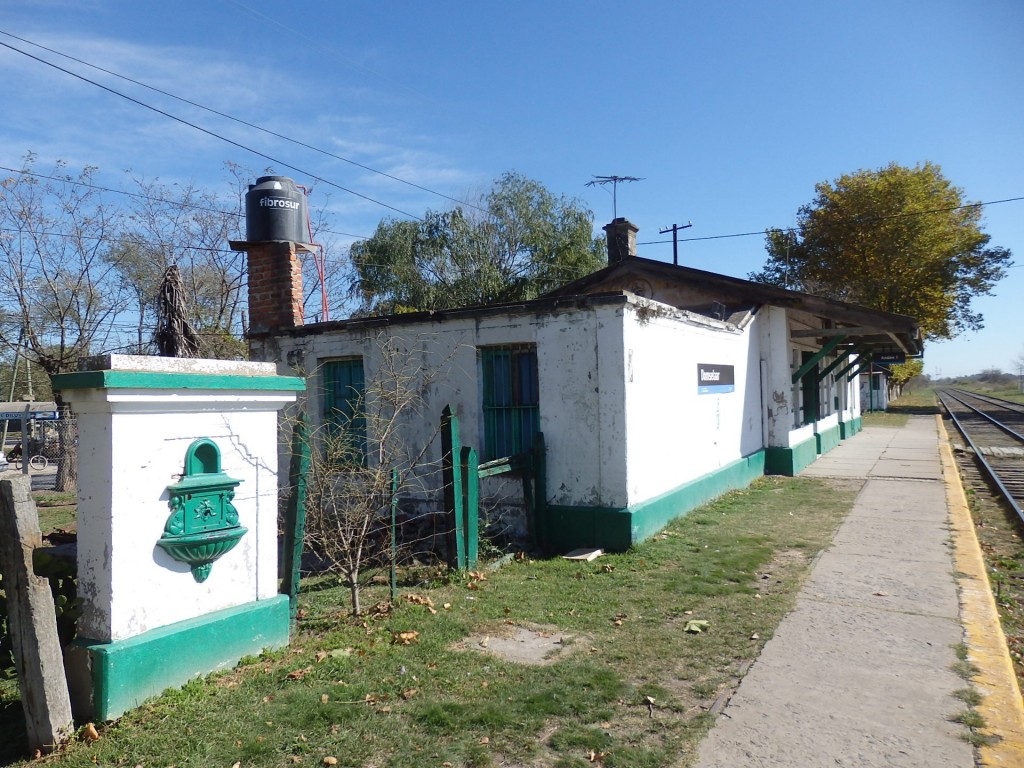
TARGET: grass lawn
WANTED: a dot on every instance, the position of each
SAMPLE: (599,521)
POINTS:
(404,685)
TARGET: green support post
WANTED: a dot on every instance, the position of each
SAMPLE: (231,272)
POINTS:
(394,535)
(295,515)
(468,465)
(831,344)
(861,365)
(539,490)
(452,478)
(837,362)
(854,364)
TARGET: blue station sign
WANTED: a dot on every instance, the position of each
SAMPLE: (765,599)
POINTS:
(714,378)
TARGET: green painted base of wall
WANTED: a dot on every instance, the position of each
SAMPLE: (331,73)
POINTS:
(127,672)
(616,530)
(789,461)
(828,439)
(848,429)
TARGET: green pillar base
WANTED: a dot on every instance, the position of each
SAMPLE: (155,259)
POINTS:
(828,439)
(127,672)
(789,461)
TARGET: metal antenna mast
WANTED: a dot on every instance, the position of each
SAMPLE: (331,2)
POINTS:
(674,229)
(614,181)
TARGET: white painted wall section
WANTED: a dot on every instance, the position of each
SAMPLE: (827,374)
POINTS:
(132,446)
(675,434)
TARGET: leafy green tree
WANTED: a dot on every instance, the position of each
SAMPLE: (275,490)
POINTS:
(519,243)
(898,239)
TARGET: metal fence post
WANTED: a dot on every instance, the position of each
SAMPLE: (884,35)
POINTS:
(453,502)
(295,515)
(469,467)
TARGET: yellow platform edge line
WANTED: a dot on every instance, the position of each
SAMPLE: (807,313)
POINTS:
(1002,706)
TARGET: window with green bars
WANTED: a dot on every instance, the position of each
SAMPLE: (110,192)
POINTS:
(511,400)
(344,391)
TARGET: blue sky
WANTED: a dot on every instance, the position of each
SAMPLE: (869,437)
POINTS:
(729,111)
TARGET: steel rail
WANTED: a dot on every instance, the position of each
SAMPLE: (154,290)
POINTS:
(995,422)
(987,468)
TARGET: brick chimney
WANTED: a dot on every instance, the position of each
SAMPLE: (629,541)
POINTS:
(275,286)
(621,235)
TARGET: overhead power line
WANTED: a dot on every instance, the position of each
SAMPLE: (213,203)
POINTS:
(246,123)
(213,134)
(860,219)
(139,195)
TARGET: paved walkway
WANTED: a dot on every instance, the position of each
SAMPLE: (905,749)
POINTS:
(859,674)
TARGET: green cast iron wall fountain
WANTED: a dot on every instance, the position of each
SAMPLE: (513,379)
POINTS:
(204,523)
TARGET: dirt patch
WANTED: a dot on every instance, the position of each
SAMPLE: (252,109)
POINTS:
(523,644)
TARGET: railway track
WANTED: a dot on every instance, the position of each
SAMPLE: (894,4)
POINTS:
(993,430)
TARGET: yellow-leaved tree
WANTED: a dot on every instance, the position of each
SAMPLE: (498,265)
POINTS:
(898,239)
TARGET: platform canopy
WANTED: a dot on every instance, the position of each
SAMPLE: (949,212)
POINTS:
(842,325)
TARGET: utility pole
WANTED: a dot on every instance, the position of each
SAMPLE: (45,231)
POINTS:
(614,181)
(674,229)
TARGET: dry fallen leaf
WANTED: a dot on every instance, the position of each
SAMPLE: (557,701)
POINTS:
(405,638)
(485,740)
(324,698)
(89,732)
(408,693)
(330,760)
(298,674)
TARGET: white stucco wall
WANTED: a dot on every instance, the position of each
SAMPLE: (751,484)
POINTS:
(674,434)
(132,445)
(580,378)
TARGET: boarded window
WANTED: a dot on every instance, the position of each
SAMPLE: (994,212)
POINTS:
(511,400)
(344,392)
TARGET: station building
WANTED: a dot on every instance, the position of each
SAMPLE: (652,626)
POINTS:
(656,387)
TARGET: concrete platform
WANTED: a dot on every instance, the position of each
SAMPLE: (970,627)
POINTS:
(860,673)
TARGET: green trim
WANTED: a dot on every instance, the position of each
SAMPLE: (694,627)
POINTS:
(616,529)
(848,429)
(127,672)
(789,461)
(827,439)
(161,380)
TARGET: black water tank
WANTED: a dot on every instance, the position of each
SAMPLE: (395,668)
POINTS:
(275,209)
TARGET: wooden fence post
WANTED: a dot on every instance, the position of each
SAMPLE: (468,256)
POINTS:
(32,621)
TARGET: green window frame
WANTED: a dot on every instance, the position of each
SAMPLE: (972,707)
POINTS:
(511,399)
(344,390)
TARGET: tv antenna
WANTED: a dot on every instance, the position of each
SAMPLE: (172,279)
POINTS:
(614,181)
